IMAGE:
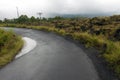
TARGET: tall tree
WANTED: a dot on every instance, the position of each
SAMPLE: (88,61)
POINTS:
(23,19)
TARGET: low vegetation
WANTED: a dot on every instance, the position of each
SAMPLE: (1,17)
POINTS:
(102,33)
(10,44)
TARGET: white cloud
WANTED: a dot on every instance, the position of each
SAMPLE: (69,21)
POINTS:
(31,7)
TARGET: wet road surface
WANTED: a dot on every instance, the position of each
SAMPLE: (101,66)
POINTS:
(54,58)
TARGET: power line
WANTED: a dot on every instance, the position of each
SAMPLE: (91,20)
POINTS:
(17,12)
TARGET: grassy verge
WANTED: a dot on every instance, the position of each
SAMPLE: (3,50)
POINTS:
(110,50)
(10,44)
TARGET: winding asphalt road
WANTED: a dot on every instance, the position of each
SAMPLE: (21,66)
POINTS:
(54,58)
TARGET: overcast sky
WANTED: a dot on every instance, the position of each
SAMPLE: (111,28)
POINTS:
(31,7)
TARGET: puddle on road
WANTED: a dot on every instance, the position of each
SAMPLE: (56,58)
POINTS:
(29,44)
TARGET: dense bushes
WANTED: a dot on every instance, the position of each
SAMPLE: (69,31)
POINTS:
(10,44)
(97,25)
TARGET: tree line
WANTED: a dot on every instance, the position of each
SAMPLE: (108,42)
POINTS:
(108,26)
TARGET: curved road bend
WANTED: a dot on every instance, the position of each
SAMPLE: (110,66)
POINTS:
(54,58)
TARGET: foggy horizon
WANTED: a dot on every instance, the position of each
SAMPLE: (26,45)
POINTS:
(48,8)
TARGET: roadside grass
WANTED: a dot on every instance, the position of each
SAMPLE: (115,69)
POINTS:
(110,49)
(112,56)
(10,45)
(90,40)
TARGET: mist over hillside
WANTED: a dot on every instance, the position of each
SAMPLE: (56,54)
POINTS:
(80,15)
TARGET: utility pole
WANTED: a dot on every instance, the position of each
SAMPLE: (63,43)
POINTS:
(17,12)
(40,13)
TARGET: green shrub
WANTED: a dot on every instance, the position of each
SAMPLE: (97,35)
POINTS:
(10,44)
